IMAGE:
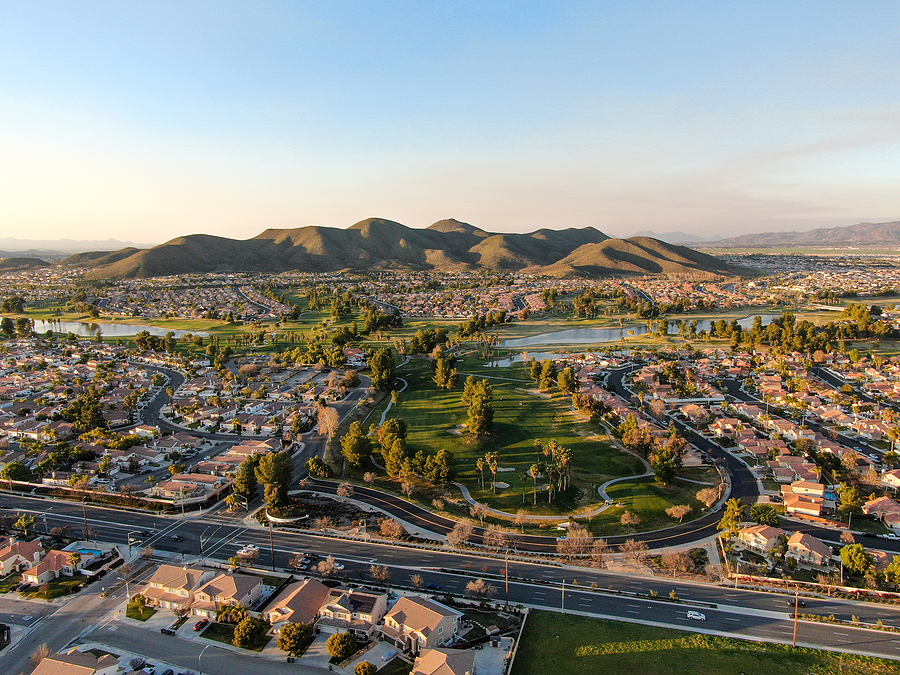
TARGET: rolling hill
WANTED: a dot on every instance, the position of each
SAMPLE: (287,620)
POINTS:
(379,244)
(880,235)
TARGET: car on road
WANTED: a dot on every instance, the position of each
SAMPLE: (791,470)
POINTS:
(890,535)
(176,537)
(696,616)
(338,566)
(791,603)
(433,586)
(201,624)
(145,533)
(248,548)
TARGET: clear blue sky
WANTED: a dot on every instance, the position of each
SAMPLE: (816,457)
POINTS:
(148,120)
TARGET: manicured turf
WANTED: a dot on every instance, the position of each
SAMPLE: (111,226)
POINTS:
(556,643)
(520,418)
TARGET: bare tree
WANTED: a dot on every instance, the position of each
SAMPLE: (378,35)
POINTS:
(678,511)
(407,488)
(147,552)
(599,551)
(636,550)
(380,573)
(478,510)
(580,539)
(847,537)
(297,561)
(479,588)
(629,520)
(328,566)
(248,556)
(388,527)
(323,523)
(438,504)
(418,581)
(495,538)
(369,477)
(459,535)
(345,490)
(329,421)
(522,519)
(708,496)
(40,654)
(677,561)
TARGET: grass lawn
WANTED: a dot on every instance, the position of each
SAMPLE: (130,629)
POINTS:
(224,632)
(553,642)
(10,581)
(56,588)
(520,418)
(397,666)
(133,611)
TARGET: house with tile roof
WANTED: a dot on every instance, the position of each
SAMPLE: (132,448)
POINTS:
(416,623)
(76,662)
(226,589)
(445,662)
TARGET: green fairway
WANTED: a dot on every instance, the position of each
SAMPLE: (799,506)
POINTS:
(520,418)
(578,645)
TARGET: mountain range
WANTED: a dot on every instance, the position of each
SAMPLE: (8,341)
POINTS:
(879,235)
(19,247)
(676,237)
(379,244)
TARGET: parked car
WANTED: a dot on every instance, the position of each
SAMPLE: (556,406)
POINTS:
(696,616)
(201,624)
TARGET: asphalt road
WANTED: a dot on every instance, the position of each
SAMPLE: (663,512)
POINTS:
(760,615)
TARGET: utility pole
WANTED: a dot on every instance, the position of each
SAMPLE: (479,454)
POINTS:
(796,613)
(272,545)
(563,594)
(84,513)
(507,580)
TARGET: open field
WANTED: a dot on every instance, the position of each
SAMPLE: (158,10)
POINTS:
(554,643)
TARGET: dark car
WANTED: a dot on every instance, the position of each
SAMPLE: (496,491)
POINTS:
(176,537)
(433,587)
(791,603)
(144,533)
(201,624)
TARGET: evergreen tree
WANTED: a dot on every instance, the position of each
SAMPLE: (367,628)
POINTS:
(356,446)
(275,471)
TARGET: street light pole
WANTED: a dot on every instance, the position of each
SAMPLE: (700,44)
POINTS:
(84,514)
(272,545)
(199,664)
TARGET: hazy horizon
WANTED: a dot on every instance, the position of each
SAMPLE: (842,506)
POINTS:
(149,122)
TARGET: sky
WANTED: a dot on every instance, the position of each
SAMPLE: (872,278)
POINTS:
(144,121)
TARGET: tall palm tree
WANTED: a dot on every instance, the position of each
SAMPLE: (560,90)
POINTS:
(535,471)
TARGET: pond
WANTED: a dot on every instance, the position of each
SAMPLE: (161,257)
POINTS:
(109,330)
(589,336)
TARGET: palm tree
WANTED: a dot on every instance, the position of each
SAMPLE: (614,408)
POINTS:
(524,478)
(535,471)
(479,464)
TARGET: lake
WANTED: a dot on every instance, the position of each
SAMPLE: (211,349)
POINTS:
(589,336)
(109,330)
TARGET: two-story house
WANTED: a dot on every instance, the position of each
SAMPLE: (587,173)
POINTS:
(417,623)
(226,589)
(356,611)
(173,587)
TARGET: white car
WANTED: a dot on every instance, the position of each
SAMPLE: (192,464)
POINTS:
(249,548)
(338,566)
(696,616)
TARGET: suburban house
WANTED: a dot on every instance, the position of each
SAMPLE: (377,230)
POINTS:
(173,587)
(760,538)
(445,662)
(807,549)
(226,589)
(355,610)
(18,555)
(417,623)
(54,565)
(77,663)
(297,603)
(891,478)
(885,509)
